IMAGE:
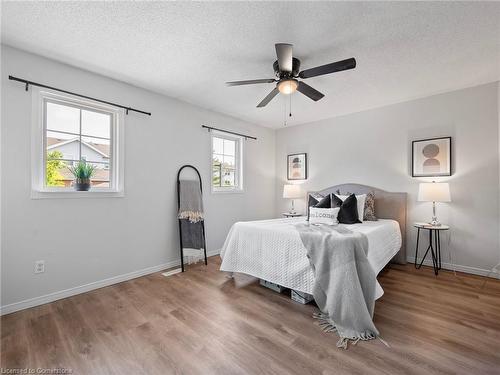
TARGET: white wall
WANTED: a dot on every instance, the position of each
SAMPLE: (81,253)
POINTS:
(374,148)
(138,233)
(127,234)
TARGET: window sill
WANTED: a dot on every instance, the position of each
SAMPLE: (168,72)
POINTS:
(227,191)
(72,194)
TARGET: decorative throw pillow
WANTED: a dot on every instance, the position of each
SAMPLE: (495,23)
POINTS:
(369,207)
(369,214)
(314,198)
(348,213)
(326,216)
(335,200)
(318,200)
(361,199)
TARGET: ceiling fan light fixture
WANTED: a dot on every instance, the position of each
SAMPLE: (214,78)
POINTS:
(288,86)
(287,71)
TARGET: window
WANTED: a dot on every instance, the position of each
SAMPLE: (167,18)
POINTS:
(226,163)
(68,130)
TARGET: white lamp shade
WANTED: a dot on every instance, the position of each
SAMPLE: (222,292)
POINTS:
(434,192)
(291,191)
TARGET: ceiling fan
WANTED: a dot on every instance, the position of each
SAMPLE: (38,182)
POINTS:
(287,73)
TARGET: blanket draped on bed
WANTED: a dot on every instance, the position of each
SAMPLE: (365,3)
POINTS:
(345,282)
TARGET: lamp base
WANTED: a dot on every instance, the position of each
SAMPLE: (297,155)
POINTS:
(434,222)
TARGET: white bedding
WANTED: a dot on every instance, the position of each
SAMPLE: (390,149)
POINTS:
(272,250)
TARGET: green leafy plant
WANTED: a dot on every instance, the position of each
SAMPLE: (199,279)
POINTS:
(53,176)
(216,174)
(83,171)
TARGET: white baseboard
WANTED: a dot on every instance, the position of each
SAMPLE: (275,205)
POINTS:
(458,267)
(51,297)
(213,252)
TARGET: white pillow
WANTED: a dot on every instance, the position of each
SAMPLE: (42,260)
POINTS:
(323,215)
(361,204)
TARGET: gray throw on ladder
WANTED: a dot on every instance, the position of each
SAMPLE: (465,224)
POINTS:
(191,214)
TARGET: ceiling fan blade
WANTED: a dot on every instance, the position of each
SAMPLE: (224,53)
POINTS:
(268,98)
(309,91)
(284,53)
(250,82)
(329,68)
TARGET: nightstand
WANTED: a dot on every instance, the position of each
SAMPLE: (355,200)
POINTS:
(434,244)
(289,214)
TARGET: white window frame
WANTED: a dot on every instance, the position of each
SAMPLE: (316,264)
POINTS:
(238,163)
(39,154)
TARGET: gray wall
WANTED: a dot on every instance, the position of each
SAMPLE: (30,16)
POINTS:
(374,148)
(126,234)
(139,232)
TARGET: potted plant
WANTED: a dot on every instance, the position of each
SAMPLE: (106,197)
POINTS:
(82,172)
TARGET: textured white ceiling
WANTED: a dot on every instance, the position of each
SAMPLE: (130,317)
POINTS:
(188,50)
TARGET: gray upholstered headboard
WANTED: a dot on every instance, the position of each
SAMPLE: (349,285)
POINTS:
(387,206)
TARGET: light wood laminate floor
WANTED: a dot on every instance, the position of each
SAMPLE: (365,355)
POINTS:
(199,322)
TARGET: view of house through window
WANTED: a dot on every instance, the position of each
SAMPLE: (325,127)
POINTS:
(74,134)
(225,163)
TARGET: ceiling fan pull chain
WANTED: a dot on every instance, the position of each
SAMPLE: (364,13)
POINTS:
(284,111)
(290,114)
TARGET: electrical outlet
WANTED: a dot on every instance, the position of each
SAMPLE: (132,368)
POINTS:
(39,266)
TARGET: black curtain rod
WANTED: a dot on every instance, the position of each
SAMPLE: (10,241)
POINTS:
(27,83)
(229,132)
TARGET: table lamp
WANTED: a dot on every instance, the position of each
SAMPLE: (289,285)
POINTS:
(434,192)
(292,192)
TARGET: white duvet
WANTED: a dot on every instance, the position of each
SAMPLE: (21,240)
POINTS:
(272,250)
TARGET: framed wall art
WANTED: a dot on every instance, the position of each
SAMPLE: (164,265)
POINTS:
(431,157)
(297,166)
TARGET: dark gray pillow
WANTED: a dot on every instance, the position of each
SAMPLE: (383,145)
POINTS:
(318,200)
(369,209)
(348,213)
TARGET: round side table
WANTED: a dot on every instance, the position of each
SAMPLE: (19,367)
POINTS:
(289,214)
(434,244)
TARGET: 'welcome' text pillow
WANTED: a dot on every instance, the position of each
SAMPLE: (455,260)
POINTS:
(326,216)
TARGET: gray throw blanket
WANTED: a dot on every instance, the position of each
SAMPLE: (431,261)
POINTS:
(191,203)
(192,234)
(191,214)
(344,287)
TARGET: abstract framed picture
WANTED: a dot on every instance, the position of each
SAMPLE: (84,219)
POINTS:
(297,166)
(431,157)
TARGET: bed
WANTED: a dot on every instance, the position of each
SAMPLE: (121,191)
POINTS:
(272,250)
